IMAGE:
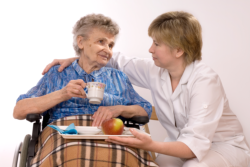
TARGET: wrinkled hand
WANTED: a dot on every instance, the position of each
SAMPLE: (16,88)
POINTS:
(63,62)
(106,112)
(141,140)
(74,89)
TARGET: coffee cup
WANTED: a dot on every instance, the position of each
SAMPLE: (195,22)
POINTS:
(95,92)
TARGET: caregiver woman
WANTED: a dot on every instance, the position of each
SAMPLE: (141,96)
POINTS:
(189,98)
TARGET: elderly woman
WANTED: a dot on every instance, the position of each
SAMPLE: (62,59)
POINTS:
(62,96)
(189,99)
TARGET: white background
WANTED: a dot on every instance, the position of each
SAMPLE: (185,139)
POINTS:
(33,33)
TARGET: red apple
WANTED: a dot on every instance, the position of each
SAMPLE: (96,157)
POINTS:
(113,126)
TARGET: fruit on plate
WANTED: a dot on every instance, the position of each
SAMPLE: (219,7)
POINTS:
(113,126)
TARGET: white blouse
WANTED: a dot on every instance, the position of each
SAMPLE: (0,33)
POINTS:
(197,113)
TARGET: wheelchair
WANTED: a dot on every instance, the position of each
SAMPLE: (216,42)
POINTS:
(26,149)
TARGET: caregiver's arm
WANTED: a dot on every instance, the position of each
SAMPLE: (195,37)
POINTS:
(137,69)
(206,106)
(38,105)
(143,141)
(175,149)
(63,62)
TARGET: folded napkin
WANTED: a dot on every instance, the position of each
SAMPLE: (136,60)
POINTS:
(70,130)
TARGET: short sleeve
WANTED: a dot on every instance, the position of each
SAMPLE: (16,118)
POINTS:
(39,90)
(206,108)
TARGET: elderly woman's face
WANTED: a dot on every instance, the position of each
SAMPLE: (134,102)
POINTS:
(98,47)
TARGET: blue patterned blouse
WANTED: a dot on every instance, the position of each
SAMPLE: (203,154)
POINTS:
(118,90)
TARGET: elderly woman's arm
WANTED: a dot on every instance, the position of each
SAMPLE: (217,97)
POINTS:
(133,110)
(37,105)
(42,103)
(108,112)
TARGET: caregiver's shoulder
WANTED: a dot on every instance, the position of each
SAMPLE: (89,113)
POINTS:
(203,69)
(203,72)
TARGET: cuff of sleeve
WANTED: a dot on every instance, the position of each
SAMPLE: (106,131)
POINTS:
(199,147)
(147,108)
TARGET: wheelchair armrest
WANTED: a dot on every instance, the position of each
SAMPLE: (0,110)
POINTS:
(139,119)
(35,134)
(33,117)
(135,121)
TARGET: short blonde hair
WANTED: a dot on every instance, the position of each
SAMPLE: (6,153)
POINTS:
(181,30)
(84,26)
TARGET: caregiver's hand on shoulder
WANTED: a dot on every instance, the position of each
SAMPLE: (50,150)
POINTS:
(106,112)
(74,89)
(63,62)
(141,140)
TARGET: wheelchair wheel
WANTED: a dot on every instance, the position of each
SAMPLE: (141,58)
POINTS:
(16,154)
(24,151)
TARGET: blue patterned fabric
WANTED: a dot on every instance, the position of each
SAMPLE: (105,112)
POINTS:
(118,90)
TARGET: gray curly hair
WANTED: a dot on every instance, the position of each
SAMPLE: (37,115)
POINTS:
(84,26)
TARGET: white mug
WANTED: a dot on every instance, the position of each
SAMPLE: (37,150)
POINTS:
(95,92)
